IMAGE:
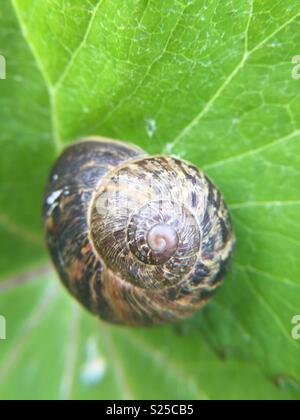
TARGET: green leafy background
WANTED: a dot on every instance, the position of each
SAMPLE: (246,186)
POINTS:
(210,81)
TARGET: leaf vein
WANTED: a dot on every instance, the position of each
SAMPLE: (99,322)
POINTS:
(258,150)
(68,375)
(118,366)
(33,320)
(229,79)
(80,46)
(166,363)
(20,231)
(249,204)
(56,137)
(147,72)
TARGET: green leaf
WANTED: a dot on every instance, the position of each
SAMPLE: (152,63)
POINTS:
(208,81)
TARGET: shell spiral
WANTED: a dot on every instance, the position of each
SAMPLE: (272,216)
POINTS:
(137,239)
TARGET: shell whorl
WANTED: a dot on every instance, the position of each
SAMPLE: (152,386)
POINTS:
(140,206)
(151,236)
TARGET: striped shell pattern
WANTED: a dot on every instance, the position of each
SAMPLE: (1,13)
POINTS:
(137,239)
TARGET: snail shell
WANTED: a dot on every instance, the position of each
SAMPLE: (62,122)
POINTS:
(137,239)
